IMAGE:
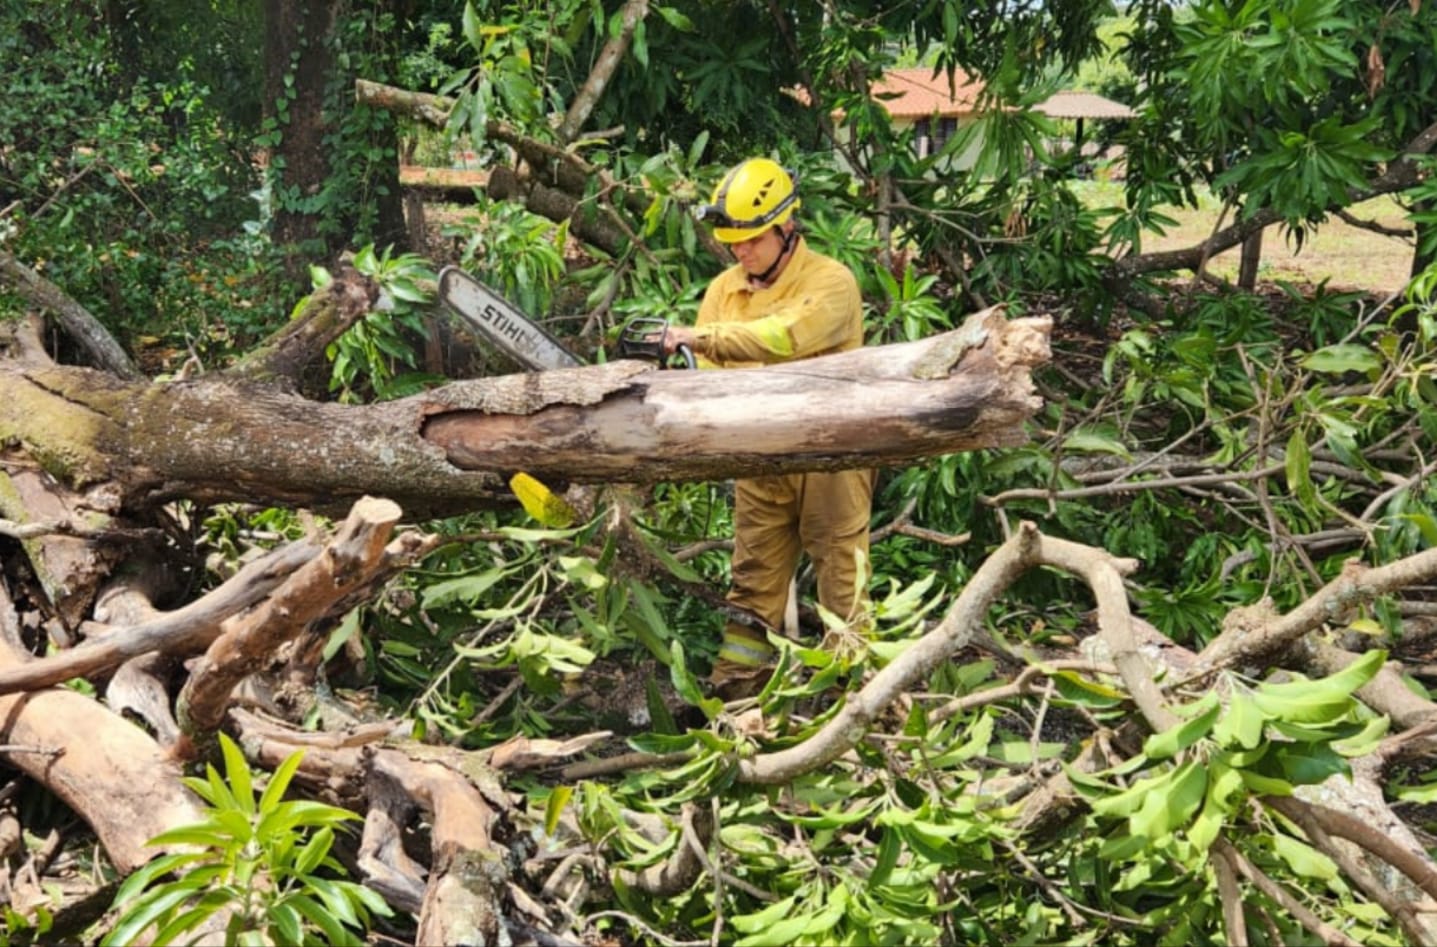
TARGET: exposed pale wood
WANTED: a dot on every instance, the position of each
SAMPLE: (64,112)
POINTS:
(354,560)
(461,900)
(962,390)
(387,868)
(183,631)
(110,772)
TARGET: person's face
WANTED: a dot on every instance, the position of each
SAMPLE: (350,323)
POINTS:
(757,254)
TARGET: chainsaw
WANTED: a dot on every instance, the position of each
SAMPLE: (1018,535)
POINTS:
(502,324)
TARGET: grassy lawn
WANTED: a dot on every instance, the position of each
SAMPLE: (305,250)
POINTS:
(1347,257)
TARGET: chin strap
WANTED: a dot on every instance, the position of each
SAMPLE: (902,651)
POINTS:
(789,237)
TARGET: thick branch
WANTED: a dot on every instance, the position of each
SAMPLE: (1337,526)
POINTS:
(324,318)
(1248,634)
(182,631)
(605,66)
(77,321)
(1400,175)
(452,449)
(354,560)
(962,390)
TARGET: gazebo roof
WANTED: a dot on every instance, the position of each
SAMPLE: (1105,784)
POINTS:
(1075,104)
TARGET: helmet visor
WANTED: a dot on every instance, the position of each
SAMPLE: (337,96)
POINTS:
(718,217)
(721,219)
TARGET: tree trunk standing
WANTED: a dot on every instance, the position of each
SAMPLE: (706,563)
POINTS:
(296,65)
(300,69)
(1251,260)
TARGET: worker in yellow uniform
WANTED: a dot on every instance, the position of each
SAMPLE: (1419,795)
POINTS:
(781,301)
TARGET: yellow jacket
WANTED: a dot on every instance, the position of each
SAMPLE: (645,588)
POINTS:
(813,308)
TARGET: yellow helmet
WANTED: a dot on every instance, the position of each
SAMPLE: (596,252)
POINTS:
(755,195)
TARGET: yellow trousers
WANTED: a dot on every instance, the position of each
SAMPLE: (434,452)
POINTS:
(778,518)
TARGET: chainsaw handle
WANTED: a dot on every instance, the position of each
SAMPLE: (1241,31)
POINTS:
(687,354)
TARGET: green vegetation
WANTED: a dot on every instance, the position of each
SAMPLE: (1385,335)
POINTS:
(260,866)
(1240,447)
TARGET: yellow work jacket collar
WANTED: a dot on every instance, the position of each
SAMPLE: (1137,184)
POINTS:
(797,261)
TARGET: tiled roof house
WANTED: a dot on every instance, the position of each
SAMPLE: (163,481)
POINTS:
(934,107)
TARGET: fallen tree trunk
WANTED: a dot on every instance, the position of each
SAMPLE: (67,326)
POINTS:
(450,450)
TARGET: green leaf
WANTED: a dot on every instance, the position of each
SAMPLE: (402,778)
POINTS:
(661,719)
(559,797)
(141,877)
(1161,746)
(783,931)
(332,897)
(1365,740)
(472,27)
(238,774)
(314,851)
(678,21)
(1294,709)
(286,923)
(1128,801)
(890,846)
(581,571)
(344,631)
(279,782)
(468,589)
(1303,859)
(1306,764)
(762,920)
(150,908)
(1163,813)
(520,534)
(1241,724)
(1341,684)
(1265,785)
(220,794)
(334,933)
(1421,793)
(1344,357)
(203,834)
(1090,441)
(188,920)
(1224,783)
(287,816)
(1085,693)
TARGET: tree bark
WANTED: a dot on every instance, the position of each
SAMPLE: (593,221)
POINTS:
(295,39)
(1251,260)
(299,66)
(77,321)
(355,561)
(450,450)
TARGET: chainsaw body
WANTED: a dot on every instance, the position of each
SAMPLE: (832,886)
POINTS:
(643,337)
